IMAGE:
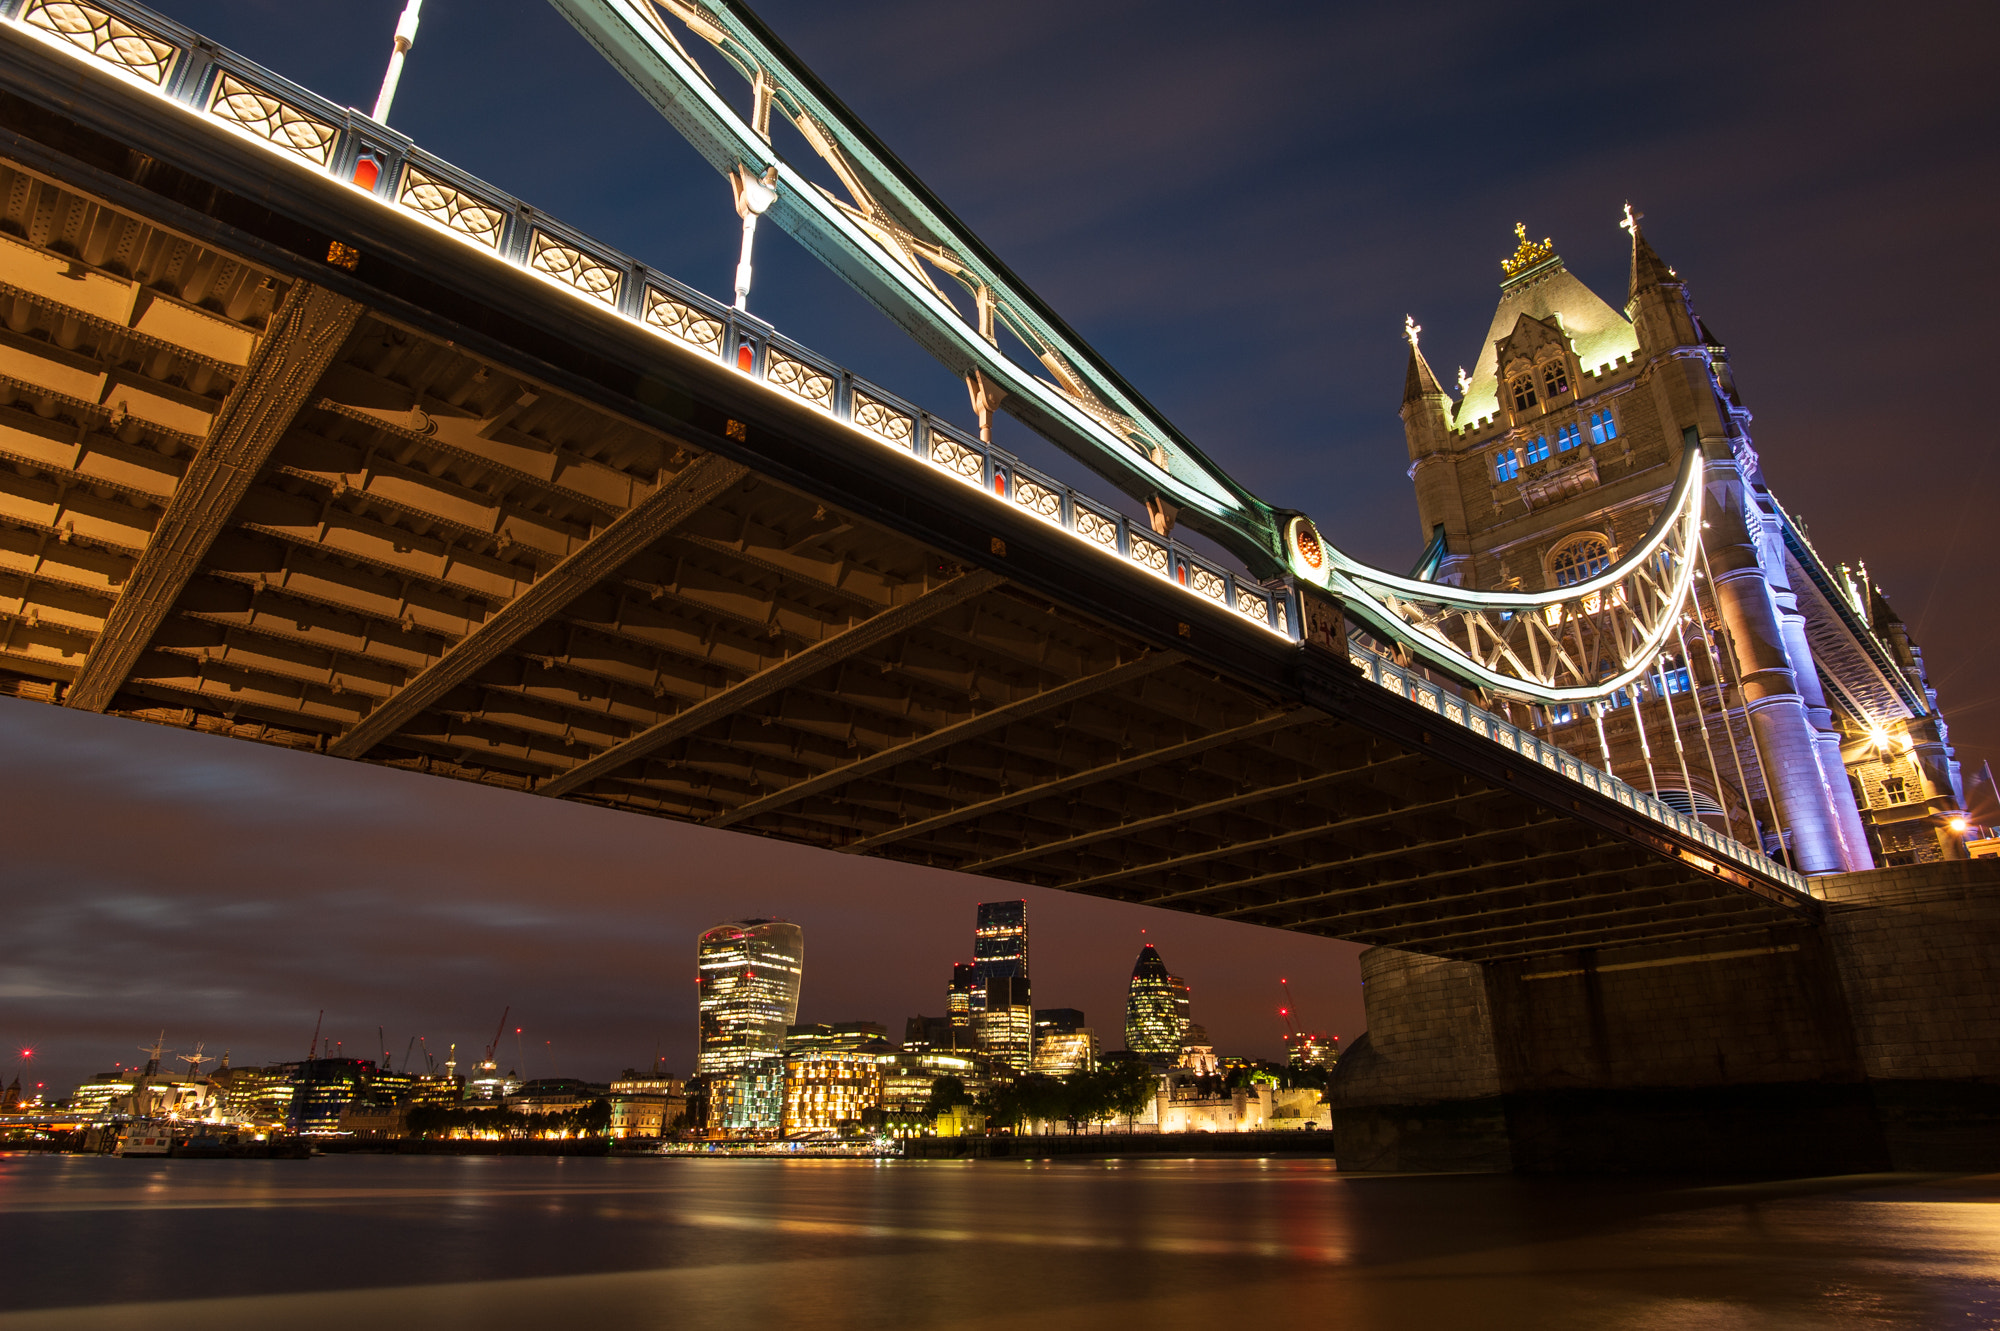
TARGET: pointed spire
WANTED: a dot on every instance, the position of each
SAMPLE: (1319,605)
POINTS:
(1418,381)
(1648,268)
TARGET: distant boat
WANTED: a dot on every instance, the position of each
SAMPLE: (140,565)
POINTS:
(143,1137)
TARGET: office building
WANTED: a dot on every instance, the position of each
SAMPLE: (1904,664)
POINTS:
(748,975)
(1156,1007)
(1063,1044)
(830,1091)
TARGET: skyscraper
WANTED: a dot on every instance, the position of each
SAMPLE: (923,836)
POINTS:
(1002,1008)
(958,1002)
(1000,942)
(1155,1008)
(748,980)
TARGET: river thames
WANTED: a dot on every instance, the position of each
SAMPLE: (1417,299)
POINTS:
(347,1241)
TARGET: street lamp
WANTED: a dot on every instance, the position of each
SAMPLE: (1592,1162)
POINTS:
(406,37)
(754,197)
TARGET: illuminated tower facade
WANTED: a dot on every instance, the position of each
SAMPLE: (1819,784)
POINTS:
(1155,1008)
(958,1002)
(748,974)
(1003,1012)
(1790,691)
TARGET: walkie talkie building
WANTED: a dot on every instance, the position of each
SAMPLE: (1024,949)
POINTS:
(748,973)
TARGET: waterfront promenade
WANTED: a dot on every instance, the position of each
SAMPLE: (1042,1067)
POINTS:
(341,1241)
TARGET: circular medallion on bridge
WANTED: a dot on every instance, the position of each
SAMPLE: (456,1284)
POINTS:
(1305,540)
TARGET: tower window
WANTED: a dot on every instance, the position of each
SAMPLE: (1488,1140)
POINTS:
(1568,437)
(1579,559)
(1507,464)
(1524,392)
(1539,450)
(1555,378)
(1602,428)
(1895,790)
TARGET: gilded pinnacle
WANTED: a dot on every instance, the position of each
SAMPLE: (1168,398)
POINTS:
(1528,253)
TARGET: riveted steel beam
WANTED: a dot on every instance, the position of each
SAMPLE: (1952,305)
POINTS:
(1106,772)
(1005,714)
(697,483)
(306,334)
(828,651)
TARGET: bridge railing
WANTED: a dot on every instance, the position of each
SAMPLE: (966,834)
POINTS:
(1459,712)
(311,133)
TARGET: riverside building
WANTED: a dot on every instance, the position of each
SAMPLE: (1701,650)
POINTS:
(748,974)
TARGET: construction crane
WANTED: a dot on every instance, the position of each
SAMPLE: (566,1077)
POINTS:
(499,1031)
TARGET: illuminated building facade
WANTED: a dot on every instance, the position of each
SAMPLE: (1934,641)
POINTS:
(748,974)
(1002,1006)
(1063,1044)
(1312,1049)
(830,1091)
(646,1105)
(1007,1023)
(958,1001)
(1792,709)
(323,1087)
(1155,1008)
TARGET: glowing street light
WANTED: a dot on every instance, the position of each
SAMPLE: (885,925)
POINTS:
(754,197)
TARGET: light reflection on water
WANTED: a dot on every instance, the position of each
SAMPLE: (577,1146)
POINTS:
(688,1242)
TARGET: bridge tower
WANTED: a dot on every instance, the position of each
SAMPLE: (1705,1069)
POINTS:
(1558,453)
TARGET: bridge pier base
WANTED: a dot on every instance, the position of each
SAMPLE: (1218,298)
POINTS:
(1872,1042)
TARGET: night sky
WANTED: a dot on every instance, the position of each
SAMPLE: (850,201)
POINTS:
(1237,206)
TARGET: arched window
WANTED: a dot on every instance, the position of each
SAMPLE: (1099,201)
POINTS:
(1579,559)
(1555,378)
(1524,392)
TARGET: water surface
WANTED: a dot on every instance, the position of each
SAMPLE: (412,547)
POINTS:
(350,1241)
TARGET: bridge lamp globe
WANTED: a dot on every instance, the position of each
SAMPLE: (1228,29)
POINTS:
(1957,826)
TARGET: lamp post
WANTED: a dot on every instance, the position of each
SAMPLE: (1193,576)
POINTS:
(754,197)
(406,37)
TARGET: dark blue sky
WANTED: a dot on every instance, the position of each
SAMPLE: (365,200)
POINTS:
(1237,206)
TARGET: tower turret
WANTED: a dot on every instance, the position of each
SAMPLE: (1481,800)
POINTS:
(1657,300)
(1427,412)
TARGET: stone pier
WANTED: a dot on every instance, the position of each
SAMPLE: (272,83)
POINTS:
(1869,1042)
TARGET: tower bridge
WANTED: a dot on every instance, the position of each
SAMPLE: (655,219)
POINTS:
(316,440)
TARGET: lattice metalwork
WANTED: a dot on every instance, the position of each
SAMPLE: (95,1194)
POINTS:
(681,320)
(1097,527)
(573,267)
(272,119)
(880,227)
(1148,554)
(961,461)
(879,418)
(451,207)
(106,36)
(1038,499)
(796,377)
(1577,643)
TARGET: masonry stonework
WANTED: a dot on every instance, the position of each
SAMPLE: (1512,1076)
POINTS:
(1871,1041)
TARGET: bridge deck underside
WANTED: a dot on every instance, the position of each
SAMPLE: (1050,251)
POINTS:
(249,494)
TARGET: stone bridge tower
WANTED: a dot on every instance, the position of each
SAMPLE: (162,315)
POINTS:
(1559,450)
